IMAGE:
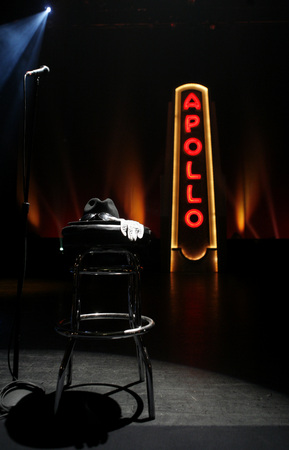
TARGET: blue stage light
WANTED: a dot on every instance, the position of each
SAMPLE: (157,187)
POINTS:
(48,9)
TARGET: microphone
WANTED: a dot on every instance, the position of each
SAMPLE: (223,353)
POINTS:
(40,70)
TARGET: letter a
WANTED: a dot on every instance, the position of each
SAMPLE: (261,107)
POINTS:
(192,101)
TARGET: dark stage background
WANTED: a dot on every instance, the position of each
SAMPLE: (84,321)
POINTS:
(103,122)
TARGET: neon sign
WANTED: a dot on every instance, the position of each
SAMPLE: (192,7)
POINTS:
(193,202)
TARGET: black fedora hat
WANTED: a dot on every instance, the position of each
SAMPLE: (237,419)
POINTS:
(95,208)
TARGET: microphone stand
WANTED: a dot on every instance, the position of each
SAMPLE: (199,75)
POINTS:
(26,166)
(15,337)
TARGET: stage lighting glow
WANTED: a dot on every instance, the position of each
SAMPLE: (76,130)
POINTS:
(48,9)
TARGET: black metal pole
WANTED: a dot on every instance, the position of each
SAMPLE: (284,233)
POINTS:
(26,167)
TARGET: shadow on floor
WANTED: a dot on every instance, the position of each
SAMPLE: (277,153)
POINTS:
(84,418)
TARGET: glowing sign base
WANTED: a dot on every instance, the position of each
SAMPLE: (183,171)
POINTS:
(208,263)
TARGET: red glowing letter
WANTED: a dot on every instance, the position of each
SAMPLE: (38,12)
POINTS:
(191,121)
(190,175)
(192,101)
(195,141)
(194,212)
(190,197)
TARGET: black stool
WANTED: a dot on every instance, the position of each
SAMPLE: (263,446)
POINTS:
(115,256)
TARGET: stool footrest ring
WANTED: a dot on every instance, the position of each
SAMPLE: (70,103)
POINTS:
(65,327)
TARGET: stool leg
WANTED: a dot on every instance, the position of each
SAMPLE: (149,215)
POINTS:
(66,361)
(149,377)
(142,354)
(139,359)
(135,317)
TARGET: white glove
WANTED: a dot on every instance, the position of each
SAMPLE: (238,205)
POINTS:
(131,229)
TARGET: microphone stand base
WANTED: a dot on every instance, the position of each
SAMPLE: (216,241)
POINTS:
(15,391)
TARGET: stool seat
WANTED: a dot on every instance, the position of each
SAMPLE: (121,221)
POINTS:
(82,235)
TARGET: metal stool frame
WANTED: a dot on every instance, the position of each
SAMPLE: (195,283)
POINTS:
(138,324)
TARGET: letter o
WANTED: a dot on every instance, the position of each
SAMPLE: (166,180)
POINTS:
(195,141)
(198,222)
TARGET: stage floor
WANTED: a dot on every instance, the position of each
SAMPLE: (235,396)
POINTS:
(219,355)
